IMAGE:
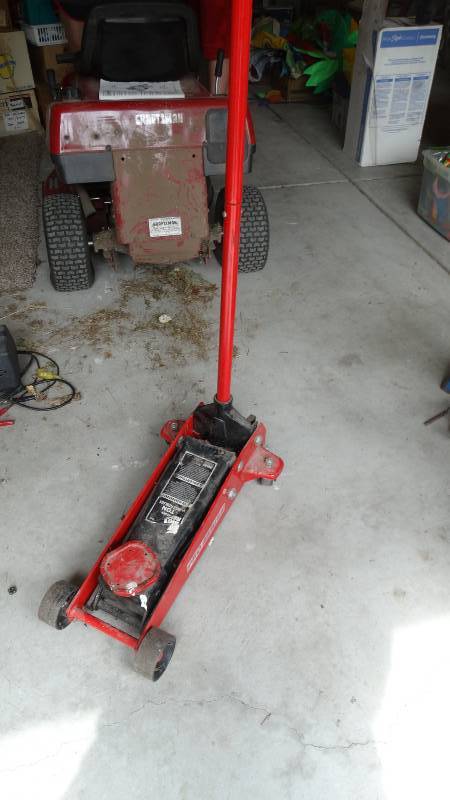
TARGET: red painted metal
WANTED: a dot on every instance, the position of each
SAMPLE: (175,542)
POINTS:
(241,20)
(54,185)
(104,627)
(169,430)
(80,126)
(155,182)
(254,462)
(130,569)
(6,423)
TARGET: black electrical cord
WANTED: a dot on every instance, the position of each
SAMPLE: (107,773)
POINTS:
(21,396)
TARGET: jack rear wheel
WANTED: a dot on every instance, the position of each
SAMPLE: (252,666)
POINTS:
(55,603)
(255,235)
(154,654)
(69,256)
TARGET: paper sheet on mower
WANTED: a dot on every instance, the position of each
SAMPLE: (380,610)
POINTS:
(139,90)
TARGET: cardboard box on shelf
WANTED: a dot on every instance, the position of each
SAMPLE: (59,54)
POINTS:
(387,109)
(18,113)
(15,67)
(44,58)
(293,90)
(5,16)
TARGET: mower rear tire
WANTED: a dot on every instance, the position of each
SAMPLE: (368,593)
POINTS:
(69,256)
(255,234)
(154,654)
(55,603)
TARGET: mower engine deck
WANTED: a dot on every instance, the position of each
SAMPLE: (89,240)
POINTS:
(135,175)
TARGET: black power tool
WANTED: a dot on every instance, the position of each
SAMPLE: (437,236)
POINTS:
(9,364)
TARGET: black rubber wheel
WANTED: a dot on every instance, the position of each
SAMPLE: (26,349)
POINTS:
(54,604)
(255,235)
(154,654)
(68,251)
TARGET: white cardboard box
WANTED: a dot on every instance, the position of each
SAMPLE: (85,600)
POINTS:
(18,113)
(393,105)
(15,67)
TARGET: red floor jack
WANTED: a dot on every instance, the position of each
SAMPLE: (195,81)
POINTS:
(210,456)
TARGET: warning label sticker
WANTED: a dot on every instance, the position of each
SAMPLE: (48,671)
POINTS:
(164,226)
(169,514)
(16,121)
(16,103)
(180,492)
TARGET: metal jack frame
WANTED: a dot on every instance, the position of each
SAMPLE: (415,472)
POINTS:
(217,421)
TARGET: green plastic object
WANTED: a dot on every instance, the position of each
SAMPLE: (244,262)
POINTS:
(322,72)
(38,12)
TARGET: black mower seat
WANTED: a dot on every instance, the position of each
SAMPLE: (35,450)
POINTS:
(140,42)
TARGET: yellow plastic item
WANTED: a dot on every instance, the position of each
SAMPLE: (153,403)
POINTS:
(348,55)
(266,39)
(43,374)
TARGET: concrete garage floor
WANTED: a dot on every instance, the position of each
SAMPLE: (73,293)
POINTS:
(314,637)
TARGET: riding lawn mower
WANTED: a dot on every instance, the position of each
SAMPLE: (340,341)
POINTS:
(141,175)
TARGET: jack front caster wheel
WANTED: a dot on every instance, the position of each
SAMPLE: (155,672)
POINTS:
(55,603)
(154,654)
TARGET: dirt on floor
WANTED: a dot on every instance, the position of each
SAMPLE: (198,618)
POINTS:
(167,308)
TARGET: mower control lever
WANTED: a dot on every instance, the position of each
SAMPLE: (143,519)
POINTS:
(219,69)
(53,84)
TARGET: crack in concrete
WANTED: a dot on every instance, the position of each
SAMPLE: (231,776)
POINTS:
(268,715)
(201,702)
(349,746)
(188,702)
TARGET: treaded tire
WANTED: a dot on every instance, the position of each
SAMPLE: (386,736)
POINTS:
(154,654)
(255,235)
(54,604)
(68,251)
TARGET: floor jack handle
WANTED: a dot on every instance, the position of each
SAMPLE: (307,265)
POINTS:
(241,22)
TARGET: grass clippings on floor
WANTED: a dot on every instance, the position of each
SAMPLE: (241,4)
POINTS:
(139,312)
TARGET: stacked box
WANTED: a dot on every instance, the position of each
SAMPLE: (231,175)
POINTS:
(434,201)
(5,16)
(15,67)
(387,112)
(18,113)
(44,58)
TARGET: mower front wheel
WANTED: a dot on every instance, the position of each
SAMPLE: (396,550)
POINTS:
(154,654)
(55,603)
(69,256)
(255,235)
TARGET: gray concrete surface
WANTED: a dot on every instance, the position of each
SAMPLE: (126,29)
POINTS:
(314,637)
